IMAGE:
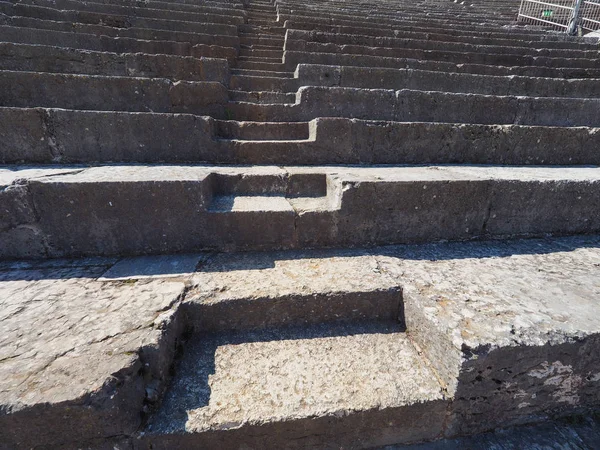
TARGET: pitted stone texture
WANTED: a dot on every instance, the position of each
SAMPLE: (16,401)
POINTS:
(257,290)
(252,384)
(73,350)
(512,327)
(162,266)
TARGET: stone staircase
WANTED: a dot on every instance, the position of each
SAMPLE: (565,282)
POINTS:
(225,224)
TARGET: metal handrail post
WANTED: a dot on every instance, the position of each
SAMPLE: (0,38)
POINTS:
(574,23)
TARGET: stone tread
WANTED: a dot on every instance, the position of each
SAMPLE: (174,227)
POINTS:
(524,295)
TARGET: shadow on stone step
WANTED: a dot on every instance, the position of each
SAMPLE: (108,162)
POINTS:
(190,385)
(434,251)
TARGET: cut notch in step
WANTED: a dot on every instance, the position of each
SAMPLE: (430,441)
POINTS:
(363,377)
(272,193)
(262,131)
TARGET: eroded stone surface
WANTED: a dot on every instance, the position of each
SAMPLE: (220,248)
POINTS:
(253,290)
(278,377)
(72,352)
(513,327)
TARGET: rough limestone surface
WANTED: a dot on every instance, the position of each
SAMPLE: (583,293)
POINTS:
(497,333)
(74,351)
(512,327)
(254,290)
(257,387)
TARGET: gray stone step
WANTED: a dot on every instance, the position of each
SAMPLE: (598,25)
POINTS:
(292,59)
(316,373)
(118,15)
(137,8)
(262,73)
(270,30)
(345,76)
(111,93)
(261,65)
(470,55)
(482,38)
(261,39)
(533,333)
(425,106)
(33,25)
(506,47)
(51,136)
(261,131)
(248,52)
(218,8)
(489,36)
(42,58)
(139,210)
(250,83)
(262,97)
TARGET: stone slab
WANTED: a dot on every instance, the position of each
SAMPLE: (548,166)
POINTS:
(241,388)
(107,208)
(512,326)
(77,355)
(257,290)
(160,266)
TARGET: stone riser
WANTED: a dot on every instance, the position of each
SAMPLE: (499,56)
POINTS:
(135,210)
(381,78)
(493,34)
(386,21)
(118,16)
(481,38)
(292,59)
(128,6)
(112,93)
(534,49)
(51,29)
(469,56)
(40,58)
(50,136)
(424,106)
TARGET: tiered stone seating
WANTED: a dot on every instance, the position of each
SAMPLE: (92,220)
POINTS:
(140,130)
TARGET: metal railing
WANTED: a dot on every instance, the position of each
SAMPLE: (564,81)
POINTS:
(571,16)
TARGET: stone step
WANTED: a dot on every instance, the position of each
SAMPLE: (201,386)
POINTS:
(51,136)
(261,65)
(89,12)
(42,58)
(425,106)
(261,47)
(262,73)
(489,36)
(258,53)
(261,39)
(428,44)
(198,7)
(292,59)
(315,373)
(259,58)
(285,342)
(157,209)
(443,36)
(111,93)
(251,83)
(262,97)
(407,22)
(23,27)
(269,30)
(136,6)
(261,131)
(427,22)
(323,17)
(474,56)
(345,76)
